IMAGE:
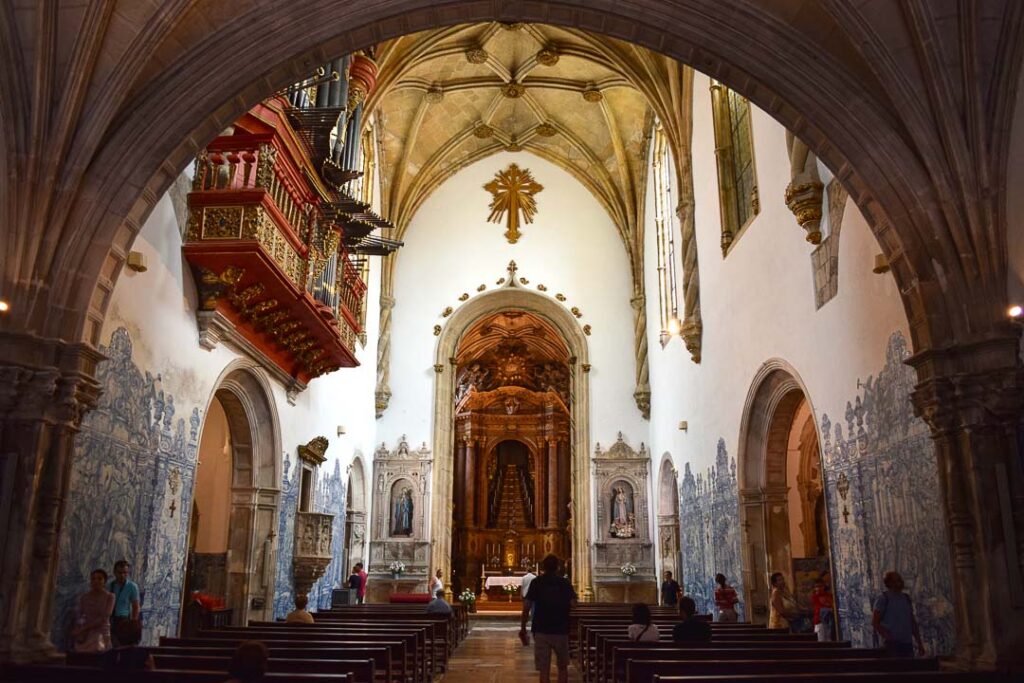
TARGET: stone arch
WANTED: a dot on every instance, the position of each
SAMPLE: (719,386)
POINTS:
(815,87)
(773,401)
(254,428)
(355,513)
(668,516)
(512,296)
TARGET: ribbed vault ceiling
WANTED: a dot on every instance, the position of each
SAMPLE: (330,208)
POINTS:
(450,97)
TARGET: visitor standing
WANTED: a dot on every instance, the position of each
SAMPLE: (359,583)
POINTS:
(669,591)
(822,605)
(690,629)
(527,580)
(783,608)
(363,576)
(893,619)
(436,584)
(355,584)
(126,597)
(300,615)
(726,600)
(551,596)
(642,629)
(91,632)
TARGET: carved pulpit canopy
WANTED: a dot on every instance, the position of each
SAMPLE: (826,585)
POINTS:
(314,451)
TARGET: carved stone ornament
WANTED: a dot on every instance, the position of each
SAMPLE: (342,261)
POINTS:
(587,330)
(592,95)
(434,95)
(476,55)
(313,538)
(513,200)
(805,201)
(548,56)
(482,131)
(546,130)
(313,452)
(513,90)
(437,330)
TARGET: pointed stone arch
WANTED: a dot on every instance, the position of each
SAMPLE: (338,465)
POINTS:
(355,513)
(512,296)
(668,516)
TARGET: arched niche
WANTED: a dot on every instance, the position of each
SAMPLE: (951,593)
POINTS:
(355,513)
(775,417)
(512,296)
(668,516)
(254,437)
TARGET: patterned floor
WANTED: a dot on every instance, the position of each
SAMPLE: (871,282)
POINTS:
(493,654)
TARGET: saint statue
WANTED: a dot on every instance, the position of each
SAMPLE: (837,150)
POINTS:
(623,520)
(401,524)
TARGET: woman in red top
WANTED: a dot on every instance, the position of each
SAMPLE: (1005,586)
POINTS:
(823,605)
(726,600)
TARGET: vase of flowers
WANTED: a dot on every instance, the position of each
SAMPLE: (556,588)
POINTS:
(510,590)
(628,570)
(397,568)
(468,598)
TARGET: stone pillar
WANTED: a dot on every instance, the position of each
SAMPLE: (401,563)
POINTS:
(382,392)
(481,486)
(553,482)
(563,487)
(459,478)
(972,400)
(46,386)
(540,497)
(469,506)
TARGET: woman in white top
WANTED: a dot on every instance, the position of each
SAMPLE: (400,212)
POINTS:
(436,584)
(642,629)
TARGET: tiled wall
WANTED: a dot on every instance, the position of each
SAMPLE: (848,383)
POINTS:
(130,492)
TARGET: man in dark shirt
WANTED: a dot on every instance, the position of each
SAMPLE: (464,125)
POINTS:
(551,596)
(690,630)
(669,591)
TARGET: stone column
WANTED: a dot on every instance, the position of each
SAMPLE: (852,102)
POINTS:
(553,482)
(481,487)
(46,386)
(459,478)
(469,507)
(563,487)
(382,393)
(642,392)
(540,497)
(972,400)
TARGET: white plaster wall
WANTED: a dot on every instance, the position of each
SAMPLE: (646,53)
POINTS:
(158,307)
(758,303)
(572,247)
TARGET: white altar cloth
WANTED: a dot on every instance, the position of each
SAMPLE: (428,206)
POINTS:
(503,581)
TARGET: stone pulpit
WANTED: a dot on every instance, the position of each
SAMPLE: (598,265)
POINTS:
(623,531)
(313,537)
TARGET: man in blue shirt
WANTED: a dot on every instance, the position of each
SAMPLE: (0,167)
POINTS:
(126,597)
(439,605)
(894,620)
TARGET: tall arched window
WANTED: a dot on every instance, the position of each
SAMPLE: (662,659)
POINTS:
(664,227)
(734,149)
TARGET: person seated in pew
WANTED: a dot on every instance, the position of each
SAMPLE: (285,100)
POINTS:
(127,656)
(249,663)
(439,605)
(690,629)
(299,615)
(642,629)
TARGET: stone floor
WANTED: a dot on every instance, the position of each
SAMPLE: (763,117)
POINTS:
(492,653)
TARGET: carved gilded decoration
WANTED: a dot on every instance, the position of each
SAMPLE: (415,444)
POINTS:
(513,200)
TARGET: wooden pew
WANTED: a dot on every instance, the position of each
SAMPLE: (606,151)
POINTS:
(360,670)
(54,673)
(380,656)
(644,670)
(883,677)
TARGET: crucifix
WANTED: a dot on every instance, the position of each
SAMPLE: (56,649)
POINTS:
(512,193)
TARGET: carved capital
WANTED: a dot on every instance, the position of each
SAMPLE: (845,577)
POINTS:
(642,396)
(382,397)
(805,201)
(691,333)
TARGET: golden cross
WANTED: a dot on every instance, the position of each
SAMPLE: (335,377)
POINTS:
(513,191)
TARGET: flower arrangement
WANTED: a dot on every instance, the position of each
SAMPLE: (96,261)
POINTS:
(628,569)
(510,588)
(397,567)
(467,596)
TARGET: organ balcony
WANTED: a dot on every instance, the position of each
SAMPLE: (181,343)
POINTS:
(273,248)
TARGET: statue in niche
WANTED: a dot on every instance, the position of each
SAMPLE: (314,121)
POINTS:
(474,376)
(623,520)
(401,524)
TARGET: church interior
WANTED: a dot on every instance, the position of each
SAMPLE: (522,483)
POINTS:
(444,288)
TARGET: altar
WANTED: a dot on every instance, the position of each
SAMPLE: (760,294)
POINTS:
(502,581)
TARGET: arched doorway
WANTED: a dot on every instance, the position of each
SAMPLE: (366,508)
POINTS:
(668,517)
(235,505)
(511,481)
(355,515)
(572,507)
(782,500)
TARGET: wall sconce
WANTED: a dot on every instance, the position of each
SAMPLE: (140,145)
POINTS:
(341,430)
(136,261)
(1015,312)
(881,265)
(674,327)
(684,426)
(4,306)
